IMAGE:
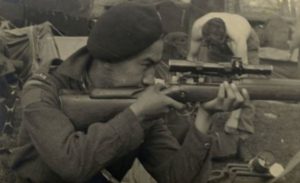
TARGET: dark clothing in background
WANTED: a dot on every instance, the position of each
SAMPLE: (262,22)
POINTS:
(53,149)
(223,53)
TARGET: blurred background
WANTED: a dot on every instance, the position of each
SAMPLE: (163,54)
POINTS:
(68,14)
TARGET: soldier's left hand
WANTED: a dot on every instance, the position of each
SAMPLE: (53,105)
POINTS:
(229,98)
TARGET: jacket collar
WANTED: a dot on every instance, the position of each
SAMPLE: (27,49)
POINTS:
(75,66)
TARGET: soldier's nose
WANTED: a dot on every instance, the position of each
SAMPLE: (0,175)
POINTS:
(148,78)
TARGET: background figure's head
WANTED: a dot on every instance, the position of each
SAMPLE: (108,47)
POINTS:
(214,32)
(215,38)
(126,40)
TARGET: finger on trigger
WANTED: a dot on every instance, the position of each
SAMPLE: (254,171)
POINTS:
(173,103)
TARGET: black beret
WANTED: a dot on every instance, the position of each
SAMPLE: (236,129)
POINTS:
(124,31)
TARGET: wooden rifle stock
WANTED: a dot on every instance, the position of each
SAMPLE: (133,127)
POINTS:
(103,104)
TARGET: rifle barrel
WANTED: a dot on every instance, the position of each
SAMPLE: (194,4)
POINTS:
(265,89)
(84,109)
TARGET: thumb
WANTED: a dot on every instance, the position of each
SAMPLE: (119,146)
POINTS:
(173,103)
(245,94)
(159,86)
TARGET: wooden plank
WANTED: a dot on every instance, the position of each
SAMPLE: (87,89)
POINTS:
(275,54)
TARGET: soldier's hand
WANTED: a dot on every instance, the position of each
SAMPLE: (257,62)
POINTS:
(152,103)
(190,57)
(228,98)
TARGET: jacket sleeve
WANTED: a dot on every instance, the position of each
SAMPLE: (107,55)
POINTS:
(168,162)
(75,155)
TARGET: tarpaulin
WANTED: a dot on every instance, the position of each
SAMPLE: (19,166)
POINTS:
(68,45)
(34,45)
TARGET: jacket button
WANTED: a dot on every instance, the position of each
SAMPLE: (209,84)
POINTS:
(207,145)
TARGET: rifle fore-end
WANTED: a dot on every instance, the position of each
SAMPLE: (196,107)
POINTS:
(102,104)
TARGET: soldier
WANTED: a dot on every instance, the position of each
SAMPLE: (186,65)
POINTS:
(122,50)
(217,37)
(224,35)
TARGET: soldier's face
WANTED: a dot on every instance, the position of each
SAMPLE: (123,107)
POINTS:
(139,70)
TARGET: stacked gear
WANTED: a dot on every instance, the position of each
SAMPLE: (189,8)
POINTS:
(262,168)
(8,97)
(238,173)
(22,52)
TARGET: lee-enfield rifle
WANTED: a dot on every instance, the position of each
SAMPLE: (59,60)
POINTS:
(189,82)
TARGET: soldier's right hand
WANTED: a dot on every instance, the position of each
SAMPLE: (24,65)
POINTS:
(152,103)
(190,57)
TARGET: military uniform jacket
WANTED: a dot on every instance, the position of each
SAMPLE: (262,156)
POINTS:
(52,149)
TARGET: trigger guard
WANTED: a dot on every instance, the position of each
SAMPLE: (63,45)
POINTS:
(188,110)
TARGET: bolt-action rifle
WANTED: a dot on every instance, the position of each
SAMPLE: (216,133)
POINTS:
(189,82)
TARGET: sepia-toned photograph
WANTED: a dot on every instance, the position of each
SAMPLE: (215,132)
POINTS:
(149,91)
